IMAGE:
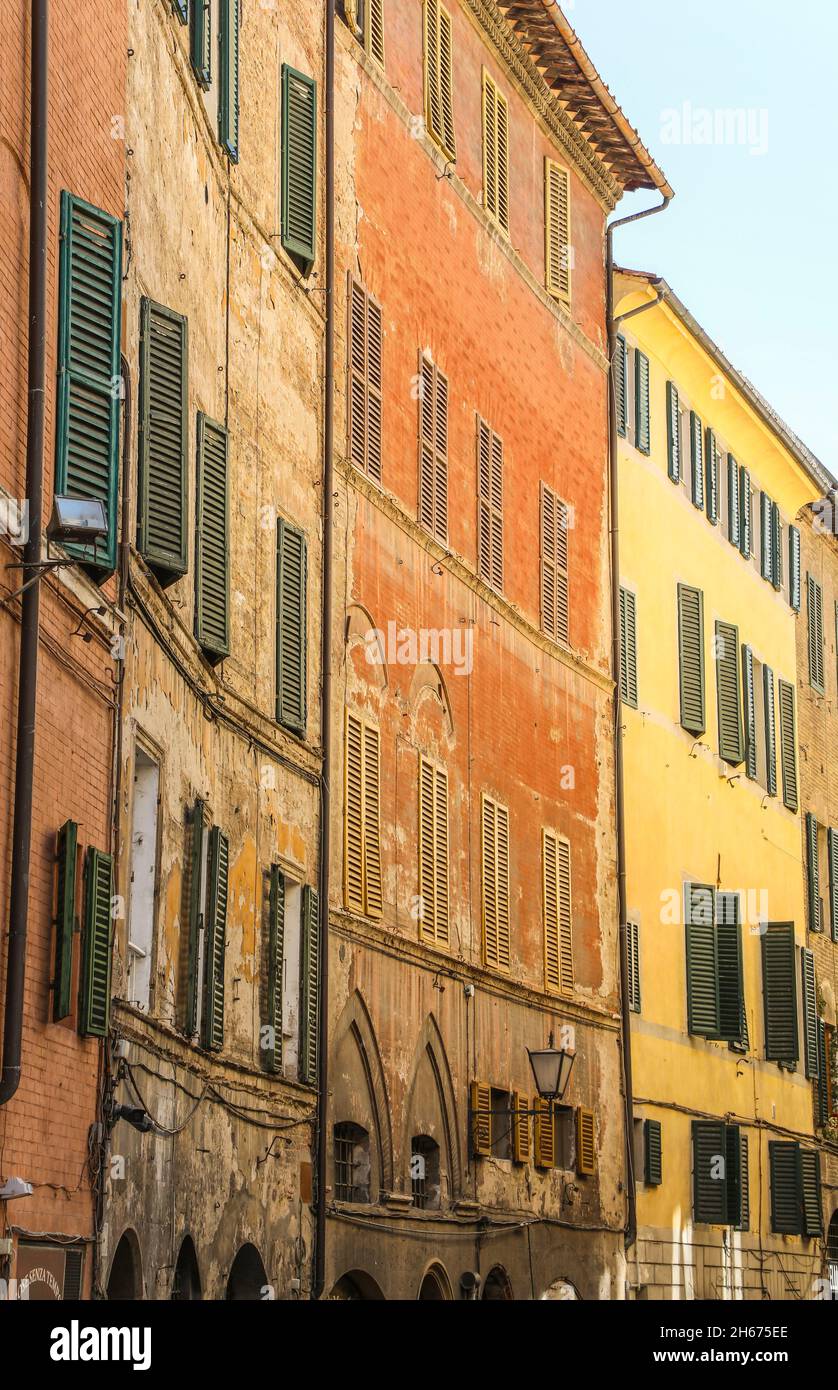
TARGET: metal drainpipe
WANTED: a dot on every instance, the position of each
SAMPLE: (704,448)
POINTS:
(631,1218)
(30,599)
(326,667)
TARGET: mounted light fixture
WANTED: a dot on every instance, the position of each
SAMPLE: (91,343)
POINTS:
(551,1067)
(77,519)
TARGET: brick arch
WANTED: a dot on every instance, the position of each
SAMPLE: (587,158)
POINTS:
(355,1022)
(430,1046)
(429,683)
(362,630)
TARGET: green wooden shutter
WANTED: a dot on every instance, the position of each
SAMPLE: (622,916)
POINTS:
(822,1088)
(813,883)
(276,952)
(673,432)
(776,547)
(794,568)
(749,711)
(653,1153)
(770,731)
(95,991)
(299,164)
(194,869)
(786,1204)
(733,1175)
(628,647)
(746,520)
(201,41)
(711,454)
(810,1013)
(709,1171)
(815,615)
(89,375)
(744,1222)
(65,918)
(162,520)
(779,991)
(228,96)
(212,550)
(733,1023)
(633,963)
(215,941)
(641,401)
(728,692)
(788,744)
(691,657)
(697,459)
(810,1187)
(621,385)
(291,646)
(310,988)
(702,961)
(832,858)
(765,542)
(733,517)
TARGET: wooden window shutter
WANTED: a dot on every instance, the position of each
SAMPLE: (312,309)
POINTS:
(794,568)
(557,220)
(813,884)
(702,961)
(291,644)
(201,42)
(353,851)
(502,861)
(832,860)
(439,77)
(784,1166)
(372,821)
(557,909)
(733,515)
(433,852)
(65,918)
(653,1153)
(620,375)
(480,1106)
(489,505)
(276,954)
(691,657)
(212,557)
(810,1185)
(733,1022)
(711,454)
(709,1172)
(95,991)
(733,1175)
(744,1222)
(673,432)
(310,987)
(749,710)
(228,96)
(89,371)
(697,459)
(544,1134)
(520,1127)
(779,990)
(746,520)
(365,381)
(766,548)
(822,1088)
(192,887)
(633,965)
(729,693)
(810,1013)
(788,744)
(374,30)
(162,521)
(585,1141)
(215,941)
(299,165)
(814,596)
(495,877)
(433,449)
(776,547)
(555,598)
(628,648)
(770,731)
(495,153)
(643,437)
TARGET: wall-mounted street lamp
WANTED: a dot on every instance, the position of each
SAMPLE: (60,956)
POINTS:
(551,1067)
(74,520)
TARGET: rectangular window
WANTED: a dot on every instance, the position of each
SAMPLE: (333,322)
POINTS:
(643,438)
(779,988)
(715,981)
(489,505)
(362,818)
(433,449)
(95,989)
(299,166)
(284,979)
(628,647)
(163,512)
(495,153)
(711,456)
(555,598)
(766,548)
(143,877)
(691,658)
(212,551)
(228,98)
(501,1104)
(433,853)
(439,79)
(557,911)
(788,744)
(495,882)
(697,459)
(633,965)
(720,1174)
(814,611)
(728,690)
(291,618)
(364,388)
(795,1189)
(620,375)
(557,223)
(66,859)
(673,432)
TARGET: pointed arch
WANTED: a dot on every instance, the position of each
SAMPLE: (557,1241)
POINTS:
(431,1048)
(355,1022)
(429,682)
(362,630)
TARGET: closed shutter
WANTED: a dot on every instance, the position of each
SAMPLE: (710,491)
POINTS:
(711,455)
(374,31)
(697,459)
(192,896)
(212,557)
(691,657)
(673,432)
(215,940)
(89,335)
(489,505)
(633,965)
(353,846)
(555,598)
(813,885)
(162,521)
(495,153)
(585,1141)
(765,539)
(749,711)
(620,370)
(832,857)
(276,954)
(545,1133)
(643,438)
(433,450)
(291,645)
(733,1175)
(65,918)
(746,520)
(480,1106)
(201,41)
(372,821)
(788,744)
(779,993)
(728,691)
(822,1088)
(365,381)
(95,992)
(310,988)
(733,517)
(770,731)
(702,961)
(786,1204)
(520,1127)
(433,852)
(744,1222)
(299,165)
(439,78)
(653,1153)
(815,616)
(733,1024)
(710,1172)
(628,648)
(794,568)
(810,1014)
(228,96)
(556,901)
(810,1183)
(495,864)
(776,547)
(557,220)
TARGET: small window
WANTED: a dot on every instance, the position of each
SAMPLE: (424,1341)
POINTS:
(564,1121)
(143,878)
(501,1124)
(352,1163)
(424,1172)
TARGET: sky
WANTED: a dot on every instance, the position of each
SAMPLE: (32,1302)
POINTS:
(746,243)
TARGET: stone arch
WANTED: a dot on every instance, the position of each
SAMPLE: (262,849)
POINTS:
(248,1278)
(356,1059)
(497,1286)
(186,1285)
(125,1278)
(561,1291)
(430,1052)
(429,683)
(356,1286)
(435,1286)
(360,627)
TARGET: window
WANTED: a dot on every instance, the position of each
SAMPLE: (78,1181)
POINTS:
(362,818)
(557,221)
(691,658)
(556,902)
(212,557)
(496,153)
(143,877)
(711,456)
(794,568)
(620,375)
(366,20)
(95,992)
(424,1172)
(746,514)
(715,982)
(813,874)
(814,610)
(771,549)
(290,1017)
(489,505)
(720,1174)
(439,79)
(652,1153)
(795,1189)
(163,517)
(365,381)
(205,893)
(555,617)
(501,1104)
(633,965)
(788,744)
(291,644)
(564,1124)
(728,690)
(433,449)
(770,717)
(495,863)
(779,990)
(734,511)
(673,432)
(697,460)
(89,334)
(433,853)
(228,97)
(66,860)
(352,1163)
(628,647)
(299,166)
(641,402)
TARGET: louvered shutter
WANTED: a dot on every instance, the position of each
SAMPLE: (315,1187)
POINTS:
(441,856)
(832,858)
(372,822)
(779,991)
(215,941)
(733,1024)
(776,547)
(495,864)
(433,449)
(822,1088)
(643,438)
(585,1141)
(788,744)
(162,521)
(490,505)
(557,219)
(810,1184)
(813,885)
(765,542)
(697,458)
(710,1172)
(620,372)
(365,381)
(702,961)
(786,1205)
(291,646)
(749,711)
(555,597)
(744,1221)
(299,164)
(691,657)
(495,153)
(276,952)
(228,95)
(733,517)
(65,918)
(556,900)
(794,568)
(480,1106)
(310,988)
(374,30)
(628,647)
(212,558)
(95,992)
(353,850)
(633,965)
(815,616)
(733,1175)
(770,731)
(193,897)
(433,852)
(728,691)
(810,1013)
(711,455)
(544,1128)
(439,79)
(503,886)
(653,1153)
(746,520)
(89,335)
(201,41)
(520,1127)
(673,432)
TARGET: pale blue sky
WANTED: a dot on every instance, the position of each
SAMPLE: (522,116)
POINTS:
(747,243)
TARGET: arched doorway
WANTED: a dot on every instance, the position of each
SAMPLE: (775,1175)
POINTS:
(355,1287)
(497,1285)
(186,1286)
(247,1280)
(435,1285)
(560,1291)
(832,1254)
(125,1281)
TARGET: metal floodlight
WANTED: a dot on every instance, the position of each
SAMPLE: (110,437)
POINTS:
(135,1116)
(78,519)
(15,1187)
(551,1067)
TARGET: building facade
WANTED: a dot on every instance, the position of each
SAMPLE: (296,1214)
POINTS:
(729,1175)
